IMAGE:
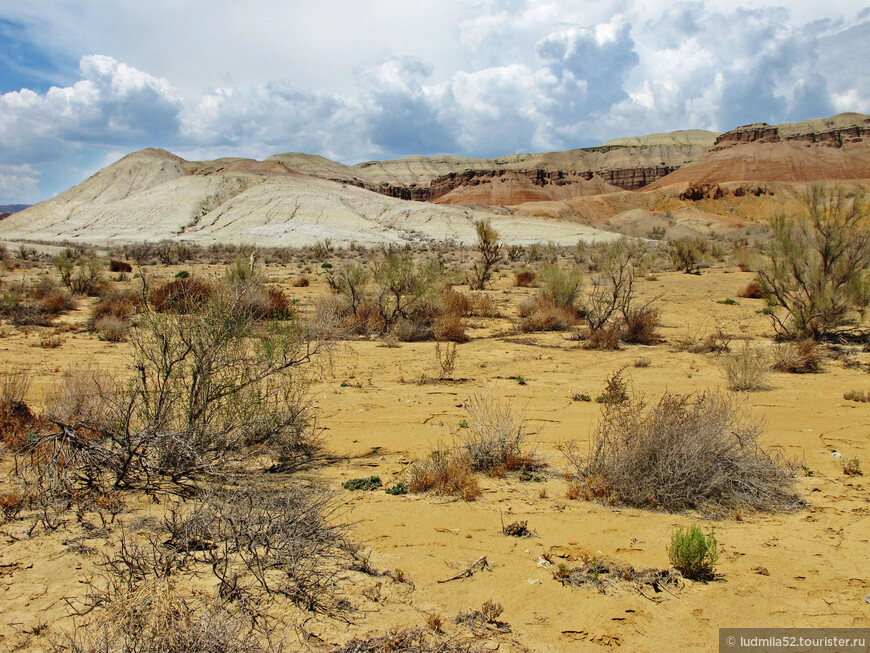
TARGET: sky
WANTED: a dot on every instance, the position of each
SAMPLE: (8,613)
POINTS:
(85,82)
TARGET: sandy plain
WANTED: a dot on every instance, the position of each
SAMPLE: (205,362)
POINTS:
(803,569)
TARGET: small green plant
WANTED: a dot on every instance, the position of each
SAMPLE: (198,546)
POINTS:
(326,266)
(366,484)
(527,476)
(728,302)
(806,471)
(852,466)
(519,378)
(463,423)
(581,396)
(397,490)
(692,553)
(182,274)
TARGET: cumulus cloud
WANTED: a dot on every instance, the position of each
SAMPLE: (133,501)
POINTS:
(18,184)
(490,77)
(112,104)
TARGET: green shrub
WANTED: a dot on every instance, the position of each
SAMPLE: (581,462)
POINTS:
(366,484)
(692,553)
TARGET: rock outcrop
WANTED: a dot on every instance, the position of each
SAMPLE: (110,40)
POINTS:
(828,149)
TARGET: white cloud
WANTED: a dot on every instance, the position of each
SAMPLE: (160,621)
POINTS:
(381,78)
(18,184)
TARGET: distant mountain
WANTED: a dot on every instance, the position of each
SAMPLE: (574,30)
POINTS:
(828,149)
(298,199)
(8,209)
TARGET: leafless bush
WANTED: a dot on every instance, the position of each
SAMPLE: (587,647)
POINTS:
(155,617)
(490,251)
(799,357)
(495,437)
(210,389)
(414,640)
(685,452)
(119,266)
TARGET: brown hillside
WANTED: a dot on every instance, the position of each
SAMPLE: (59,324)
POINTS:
(829,149)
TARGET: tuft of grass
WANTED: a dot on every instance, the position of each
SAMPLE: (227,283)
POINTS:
(694,554)
(746,370)
(800,357)
(852,466)
(857,395)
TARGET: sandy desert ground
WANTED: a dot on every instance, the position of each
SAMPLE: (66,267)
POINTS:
(806,568)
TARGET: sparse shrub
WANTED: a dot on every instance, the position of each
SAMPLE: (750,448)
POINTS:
(560,286)
(111,328)
(693,554)
(852,466)
(56,301)
(753,290)
(495,437)
(689,255)
(445,358)
(605,339)
(640,326)
(366,484)
(524,278)
(443,472)
(119,266)
(685,452)
(182,295)
(449,328)
(302,281)
(857,395)
(746,370)
(801,357)
(119,305)
(542,314)
(16,419)
(490,251)
(819,271)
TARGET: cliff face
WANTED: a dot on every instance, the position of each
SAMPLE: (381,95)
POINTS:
(836,131)
(828,149)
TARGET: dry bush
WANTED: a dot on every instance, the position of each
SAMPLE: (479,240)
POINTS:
(450,328)
(482,306)
(263,543)
(639,326)
(263,303)
(524,278)
(209,390)
(119,305)
(56,301)
(685,452)
(753,290)
(119,266)
(156,618)
(605,339)
(183,295)
(495,437)
(112,329)
(16,419)
(717,342)
(414,640)
(746,370)
(800,357)
(302,281)
(445,473)
(456,303)
(490,250)
(857,395)
(541,314)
